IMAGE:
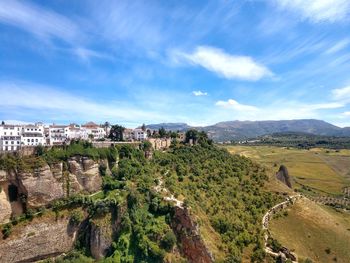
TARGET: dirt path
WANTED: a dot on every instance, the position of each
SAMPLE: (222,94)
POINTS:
(160,188)
(265,223)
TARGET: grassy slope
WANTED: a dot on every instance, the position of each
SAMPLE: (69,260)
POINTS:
(310,229)
(325,172)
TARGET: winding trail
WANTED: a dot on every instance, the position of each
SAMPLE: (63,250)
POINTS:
(290,200)
(160,188)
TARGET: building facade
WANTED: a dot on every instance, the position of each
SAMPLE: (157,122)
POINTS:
(140,135)
(57,135)
(10,138)
(33,135)
(94,131)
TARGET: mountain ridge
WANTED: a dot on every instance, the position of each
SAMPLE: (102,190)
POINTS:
(237,130)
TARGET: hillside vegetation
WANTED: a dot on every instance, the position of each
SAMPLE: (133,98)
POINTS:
(224,193)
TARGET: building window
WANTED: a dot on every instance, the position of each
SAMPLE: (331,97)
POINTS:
(36,140)
(28,140)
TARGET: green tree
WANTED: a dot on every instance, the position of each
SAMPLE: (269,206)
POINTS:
(146,146)
(193,135)
(162,132)
(173,135)
(116,133)
(168,241)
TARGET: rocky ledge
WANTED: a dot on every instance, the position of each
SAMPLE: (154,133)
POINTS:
(39,239)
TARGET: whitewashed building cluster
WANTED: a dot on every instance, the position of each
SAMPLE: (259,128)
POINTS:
(13,137)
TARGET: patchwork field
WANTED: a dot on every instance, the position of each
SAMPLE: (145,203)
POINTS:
(315,171)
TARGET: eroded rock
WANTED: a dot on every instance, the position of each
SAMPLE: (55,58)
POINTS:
(38,240)
(283,176)
(188,234)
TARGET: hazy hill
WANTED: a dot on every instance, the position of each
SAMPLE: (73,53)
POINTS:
(236,130)
(169,126)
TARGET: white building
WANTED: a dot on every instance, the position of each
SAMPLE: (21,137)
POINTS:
(10,137)
(139,135)
(57,135)
(94,131)
(33,135)
(75,132)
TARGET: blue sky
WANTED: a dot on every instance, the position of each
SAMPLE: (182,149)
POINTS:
(199,62)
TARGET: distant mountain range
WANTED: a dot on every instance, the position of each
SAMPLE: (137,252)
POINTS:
(170,126)
(238,130)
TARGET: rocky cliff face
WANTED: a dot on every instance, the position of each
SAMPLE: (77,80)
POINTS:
(42,238)
(42,186)
(192,245)
(102,232)
(84,175)
(33,189)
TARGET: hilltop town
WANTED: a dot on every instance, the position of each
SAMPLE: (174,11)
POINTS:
(25,137)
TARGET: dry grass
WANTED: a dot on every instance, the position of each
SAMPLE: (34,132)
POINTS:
(211,238)
(311,229)
(325,171)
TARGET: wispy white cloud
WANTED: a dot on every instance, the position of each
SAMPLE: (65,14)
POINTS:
(38,21)
(223,64)
(346,113)
(132,23)
(235,105)
(87,54)
(317,10)
(324,106)
(341,94)
(199,93)
(338,46)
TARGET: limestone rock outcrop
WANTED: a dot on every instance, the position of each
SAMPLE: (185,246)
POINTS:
(187,231)
(84,174)
(102,233)
(42,186)
(283,176)
(5,207)
(38,187)
(38,240)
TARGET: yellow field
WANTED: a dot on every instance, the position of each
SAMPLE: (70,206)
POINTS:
(310,230)
(325,171)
